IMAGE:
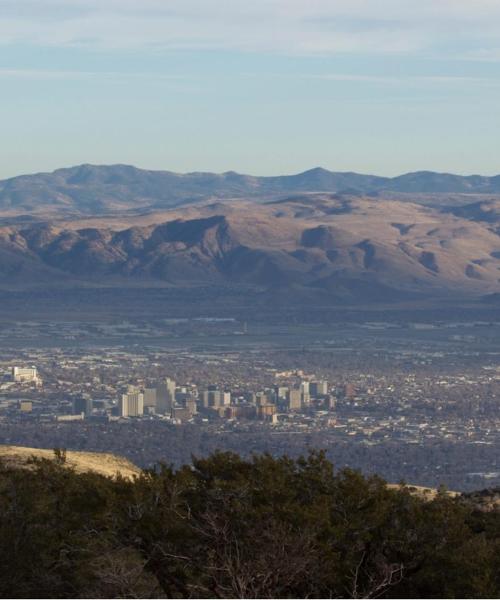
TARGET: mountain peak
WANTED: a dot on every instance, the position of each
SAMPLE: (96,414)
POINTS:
(316,171)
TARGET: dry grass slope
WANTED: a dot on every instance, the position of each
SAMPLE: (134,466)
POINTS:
(83,462)
(422,492)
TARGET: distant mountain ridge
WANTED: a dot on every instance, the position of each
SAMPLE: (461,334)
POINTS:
(92,189)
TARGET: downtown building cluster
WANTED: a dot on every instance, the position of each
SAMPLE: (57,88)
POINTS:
(166,399)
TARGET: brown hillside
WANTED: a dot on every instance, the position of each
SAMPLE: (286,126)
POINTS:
(104,464)
(338,247)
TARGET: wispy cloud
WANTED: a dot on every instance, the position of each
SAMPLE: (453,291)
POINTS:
(407,80)
(280,26)
(80,74)
(175,84)
(43,74)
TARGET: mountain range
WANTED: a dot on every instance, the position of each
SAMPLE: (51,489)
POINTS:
(312,246)
(91,190)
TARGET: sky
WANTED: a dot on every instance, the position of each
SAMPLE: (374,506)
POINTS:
(264,87)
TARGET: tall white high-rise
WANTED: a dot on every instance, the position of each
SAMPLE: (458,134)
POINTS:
(304,388)
(131,404)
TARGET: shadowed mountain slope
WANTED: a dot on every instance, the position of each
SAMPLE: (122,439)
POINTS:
(487,211)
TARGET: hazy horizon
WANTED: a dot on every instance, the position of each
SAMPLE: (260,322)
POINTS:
(267,174)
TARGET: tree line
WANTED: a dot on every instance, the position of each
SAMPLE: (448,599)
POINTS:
(229,527)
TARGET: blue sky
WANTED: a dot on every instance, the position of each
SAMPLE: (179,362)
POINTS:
(267,87)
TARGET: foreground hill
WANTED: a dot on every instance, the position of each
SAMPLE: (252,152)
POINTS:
(224,527)
(91,189)
(324,245)
(108,465)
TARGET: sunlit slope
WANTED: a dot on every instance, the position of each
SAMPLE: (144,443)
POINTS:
(337,247)
(102,463)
